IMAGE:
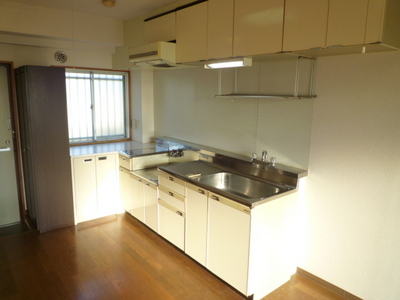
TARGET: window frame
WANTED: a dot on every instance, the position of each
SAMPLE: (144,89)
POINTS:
(128,101)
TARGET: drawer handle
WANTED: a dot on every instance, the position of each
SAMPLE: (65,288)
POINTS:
(170,178)
(171,194)
(148,184)
(123,158)
(215,197)
(87,160)
(103,158)
(201,191)
(140,180)
(179,213)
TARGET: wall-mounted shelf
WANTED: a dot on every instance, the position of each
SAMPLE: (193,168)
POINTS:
(264,96)
(302,75)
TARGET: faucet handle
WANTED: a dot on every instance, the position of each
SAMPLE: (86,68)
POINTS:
(253,156)
(272,161)
(264,155)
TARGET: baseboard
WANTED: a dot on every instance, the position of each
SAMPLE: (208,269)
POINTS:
(327,285)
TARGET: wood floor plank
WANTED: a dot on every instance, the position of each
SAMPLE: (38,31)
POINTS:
(117,258)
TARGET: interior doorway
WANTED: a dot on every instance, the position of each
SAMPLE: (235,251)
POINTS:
(11,203)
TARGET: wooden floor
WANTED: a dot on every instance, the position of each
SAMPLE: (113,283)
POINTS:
(115,258)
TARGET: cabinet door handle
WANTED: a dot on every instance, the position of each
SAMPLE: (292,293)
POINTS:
(9,123)
(87,160)
(215,197)
(140,180)
(148,184)
(123,158)
(103,158)
(171,194)
(170,178)
(201,191)
(179,213)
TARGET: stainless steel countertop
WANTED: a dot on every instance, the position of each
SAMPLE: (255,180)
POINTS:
(108,147)
(189,171)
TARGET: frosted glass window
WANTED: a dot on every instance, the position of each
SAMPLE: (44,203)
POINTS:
(98,106)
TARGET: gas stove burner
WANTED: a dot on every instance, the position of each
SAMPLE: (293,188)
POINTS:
(144,151)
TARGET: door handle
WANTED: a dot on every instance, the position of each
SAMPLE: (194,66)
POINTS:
(5,149)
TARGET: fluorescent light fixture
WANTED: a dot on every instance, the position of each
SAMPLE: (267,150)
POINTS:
(229,63)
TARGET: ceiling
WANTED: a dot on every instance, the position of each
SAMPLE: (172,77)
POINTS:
(123,9)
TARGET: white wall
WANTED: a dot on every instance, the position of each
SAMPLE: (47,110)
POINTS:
(351,205)
(351,201)
(186,108)
(31,35)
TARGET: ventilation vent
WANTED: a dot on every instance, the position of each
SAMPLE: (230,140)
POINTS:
(60,57)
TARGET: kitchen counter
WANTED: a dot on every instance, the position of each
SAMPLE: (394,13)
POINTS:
(150,174)
(192,171)
(108,147)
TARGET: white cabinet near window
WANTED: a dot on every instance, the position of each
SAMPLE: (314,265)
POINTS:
(191,33)
(95,181)
(161,28)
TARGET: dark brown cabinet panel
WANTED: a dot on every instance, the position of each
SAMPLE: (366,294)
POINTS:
(42,108)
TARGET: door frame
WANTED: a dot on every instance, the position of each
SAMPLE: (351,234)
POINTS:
(12,91)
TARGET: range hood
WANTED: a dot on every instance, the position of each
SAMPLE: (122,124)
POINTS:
(158,55)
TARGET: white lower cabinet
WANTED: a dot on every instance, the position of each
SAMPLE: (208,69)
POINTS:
(96,192)
(125,190)
(228,241)
(150,205)
(196,223)
(137,197)
(171,209)
(171,224)
(250,249)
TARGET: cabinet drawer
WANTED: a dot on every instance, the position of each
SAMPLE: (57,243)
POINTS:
(230,203)
(196,189)
(150,184)
(172,198)
(171,182)
(172,224)
(124,161)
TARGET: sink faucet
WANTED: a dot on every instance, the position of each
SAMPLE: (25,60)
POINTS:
(264,155)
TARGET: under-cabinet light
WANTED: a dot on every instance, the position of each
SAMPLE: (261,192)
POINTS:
(229,63)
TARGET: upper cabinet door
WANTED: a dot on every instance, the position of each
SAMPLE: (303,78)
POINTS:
(258,27)
(220,29)
(305,24)
(191,33)
(160,29)
(346,22)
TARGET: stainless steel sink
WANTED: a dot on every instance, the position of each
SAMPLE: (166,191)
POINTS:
(238,185)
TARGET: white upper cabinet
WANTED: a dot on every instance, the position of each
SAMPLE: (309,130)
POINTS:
(346,22)
(220,29)
(258,27)
(383,24)
(305,24)
(191,33)
(160,29)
